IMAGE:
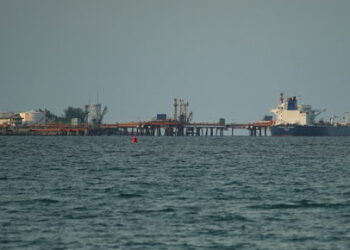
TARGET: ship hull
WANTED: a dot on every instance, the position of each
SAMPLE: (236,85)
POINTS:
(296,130)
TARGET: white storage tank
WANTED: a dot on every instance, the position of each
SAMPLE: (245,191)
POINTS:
(33,117)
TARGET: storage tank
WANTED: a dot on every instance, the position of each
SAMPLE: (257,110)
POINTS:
(33,117)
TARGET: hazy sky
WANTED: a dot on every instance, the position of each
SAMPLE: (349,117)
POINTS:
(227,58)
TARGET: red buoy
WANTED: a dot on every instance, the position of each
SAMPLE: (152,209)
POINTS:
(134,139)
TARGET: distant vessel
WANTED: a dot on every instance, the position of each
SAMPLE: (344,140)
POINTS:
(294,119)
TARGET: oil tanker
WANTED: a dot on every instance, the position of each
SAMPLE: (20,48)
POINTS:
(294,119)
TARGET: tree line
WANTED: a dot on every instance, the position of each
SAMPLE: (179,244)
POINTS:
(67,116)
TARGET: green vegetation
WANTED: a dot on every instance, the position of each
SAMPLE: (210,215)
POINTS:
(69,114)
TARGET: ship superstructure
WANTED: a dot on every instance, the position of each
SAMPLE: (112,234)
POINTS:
(296,119)
(291,112)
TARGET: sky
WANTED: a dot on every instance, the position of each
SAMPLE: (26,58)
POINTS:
(229,58)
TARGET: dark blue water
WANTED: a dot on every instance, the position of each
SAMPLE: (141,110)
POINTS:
(174,193)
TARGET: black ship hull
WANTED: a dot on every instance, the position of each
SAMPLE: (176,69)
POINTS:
(317,130)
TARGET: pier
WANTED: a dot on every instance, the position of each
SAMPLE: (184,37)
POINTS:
(90,124)
(170,128)
(146,128)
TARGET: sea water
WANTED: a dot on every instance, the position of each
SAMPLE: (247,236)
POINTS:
(174,193)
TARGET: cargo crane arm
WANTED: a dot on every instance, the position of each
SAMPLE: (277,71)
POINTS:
(190,116)
(105,110)
(318,112)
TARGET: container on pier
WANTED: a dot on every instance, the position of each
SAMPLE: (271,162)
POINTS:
(161,117)
(222,121)
(75,121)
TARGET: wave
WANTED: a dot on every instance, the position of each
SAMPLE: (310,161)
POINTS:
(129,195)
(300,204)
(164,210)
(32,201)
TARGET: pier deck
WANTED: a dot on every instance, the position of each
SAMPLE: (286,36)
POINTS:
(146,128)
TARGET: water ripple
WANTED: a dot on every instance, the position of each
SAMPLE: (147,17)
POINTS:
(174,193)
